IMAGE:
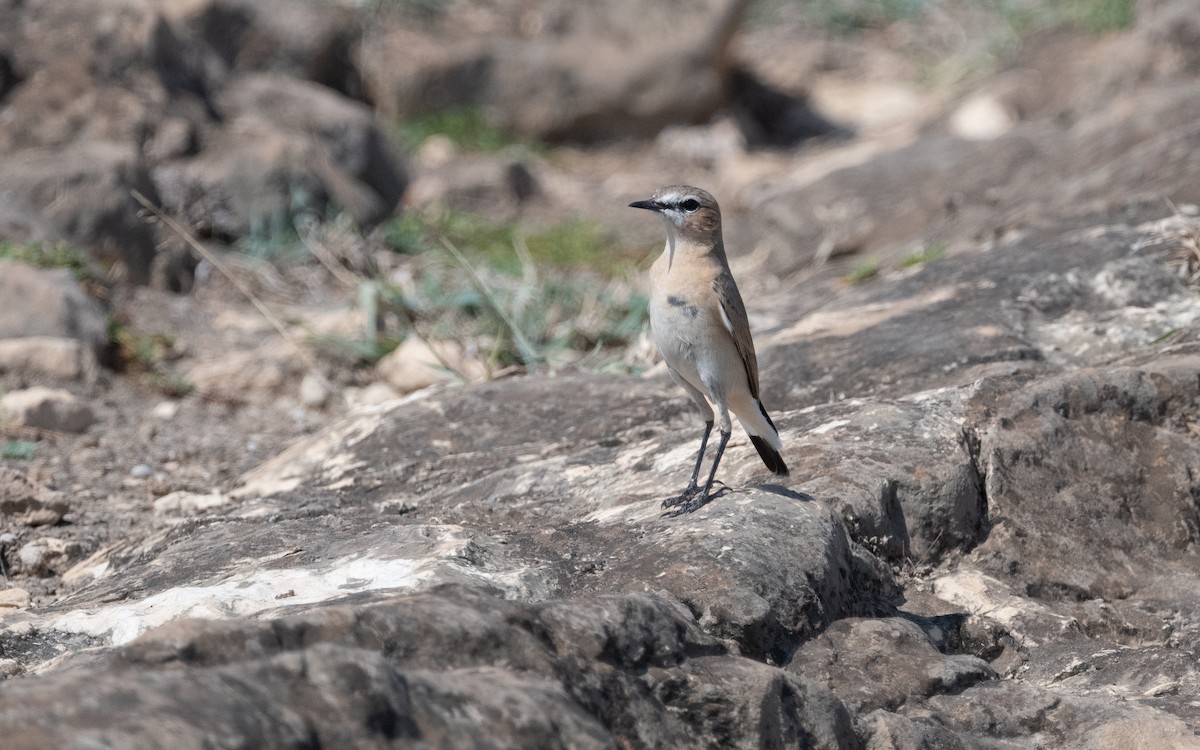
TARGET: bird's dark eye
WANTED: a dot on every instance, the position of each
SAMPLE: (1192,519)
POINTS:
(690,205)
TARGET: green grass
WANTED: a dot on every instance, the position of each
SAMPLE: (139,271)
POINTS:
(572,244)
(931,252)
(534,297)
(466,127)
(1101,16)
(862,272)
(50,255)
(363,351)
(18,450)
(1019,17)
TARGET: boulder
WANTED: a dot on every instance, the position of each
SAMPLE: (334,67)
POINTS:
(614,70)
(83,193)
(288,146)
(47,408)
(48,356)
(48,306)
(27,503)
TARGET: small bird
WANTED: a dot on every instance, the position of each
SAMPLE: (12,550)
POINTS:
(699,324)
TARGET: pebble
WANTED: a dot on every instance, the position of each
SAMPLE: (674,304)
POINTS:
(313,392)
(165,410)
(142,471)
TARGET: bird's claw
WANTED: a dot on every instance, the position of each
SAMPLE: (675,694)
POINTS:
(690,506)
(692,500)
(682,498)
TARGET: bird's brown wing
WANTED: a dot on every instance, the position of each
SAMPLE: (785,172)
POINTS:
(733,315)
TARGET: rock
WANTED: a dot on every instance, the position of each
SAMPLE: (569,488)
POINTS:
(289,146)
(165,410)
(12,598)
(313,391)
(611,71)
(141,471)
(981,117)
(27,503)
(418,363)
(48,408)
(48,356)
(493,185)
(883,664)
(545,673)
(312,42)
(83,192)
(371,395)
(46,303)
(704,144)
(237,375)
(9,668)
(883,730)
(47,556)
(188,503)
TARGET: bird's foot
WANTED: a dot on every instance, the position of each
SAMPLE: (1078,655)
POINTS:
(682,498)
(698,500)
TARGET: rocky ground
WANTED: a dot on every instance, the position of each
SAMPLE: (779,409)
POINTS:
(974,307)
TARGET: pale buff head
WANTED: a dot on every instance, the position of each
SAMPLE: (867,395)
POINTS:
(691,214)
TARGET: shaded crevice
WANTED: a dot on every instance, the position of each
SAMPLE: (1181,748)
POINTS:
(973,445)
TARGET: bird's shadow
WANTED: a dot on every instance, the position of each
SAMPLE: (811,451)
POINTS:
(779,489)
(774,489)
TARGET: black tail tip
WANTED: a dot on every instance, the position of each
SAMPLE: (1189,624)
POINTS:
(770,456)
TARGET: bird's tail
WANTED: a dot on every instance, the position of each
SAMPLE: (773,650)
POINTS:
(765,437)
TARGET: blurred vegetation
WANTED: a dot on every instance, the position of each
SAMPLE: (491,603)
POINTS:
(931,252)
(864,271)
(558,295)
(18,450)
(51,255)
(1021,17)
(466,127)
(576,244)
(146,354)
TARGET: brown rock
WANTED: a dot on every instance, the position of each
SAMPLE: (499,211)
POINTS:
(612,70)
(10,599)
(48,356)
(417,364)
(47,556)
(46,303)
(48,408)
(83,193)
(26,503)
(287,146)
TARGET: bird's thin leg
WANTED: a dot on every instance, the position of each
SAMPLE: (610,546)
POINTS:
(692,487)
(698,500)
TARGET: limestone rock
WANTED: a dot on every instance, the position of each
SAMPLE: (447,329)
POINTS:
(46,303)
(884,663)
(84,194)
(47,556)
(10,599)
(27,503)
(188,503)
(289,146)
(48,356)
(48,408)
(618,69)
(417,364)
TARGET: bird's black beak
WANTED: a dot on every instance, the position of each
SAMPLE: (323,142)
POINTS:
(648,205)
